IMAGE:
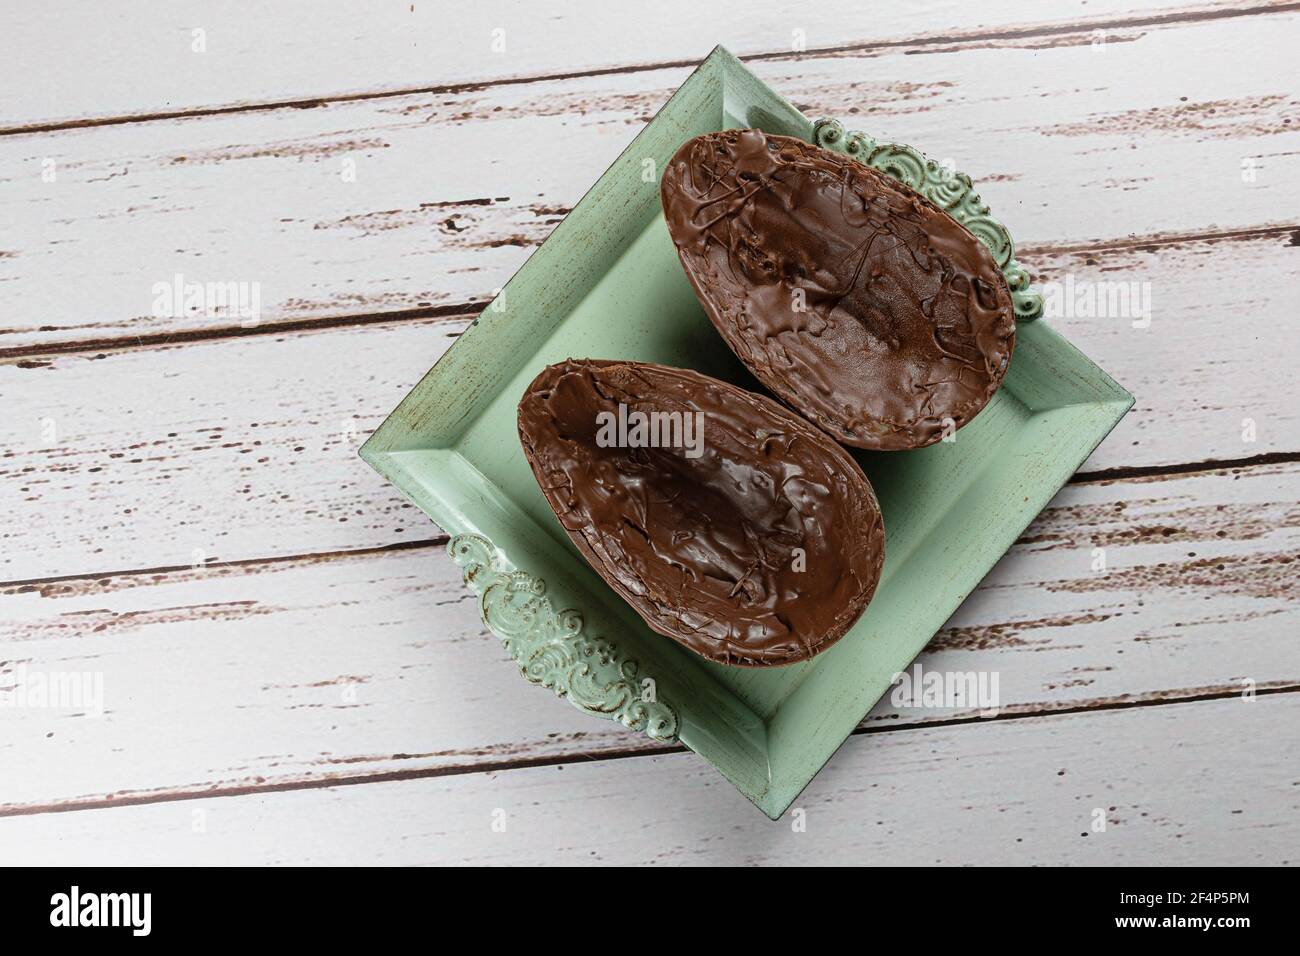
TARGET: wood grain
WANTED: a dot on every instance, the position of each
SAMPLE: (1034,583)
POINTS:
(1173,784)
(246,447)
(322,640)
(347,667)
(302,52)
(1145,135)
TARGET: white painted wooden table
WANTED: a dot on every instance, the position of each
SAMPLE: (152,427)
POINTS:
(291,669)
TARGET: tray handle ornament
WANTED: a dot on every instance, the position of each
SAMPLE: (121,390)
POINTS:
(949,190)
(551,649)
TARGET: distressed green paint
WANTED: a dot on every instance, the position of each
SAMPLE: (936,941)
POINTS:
(607,284)
(553,650)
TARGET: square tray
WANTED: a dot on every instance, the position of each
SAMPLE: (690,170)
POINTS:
(608,284)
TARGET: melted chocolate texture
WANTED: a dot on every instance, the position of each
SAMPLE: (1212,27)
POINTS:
(703,547)
(858,302)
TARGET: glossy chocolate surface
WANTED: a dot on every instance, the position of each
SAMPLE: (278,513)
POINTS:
(704,536)
(855,300)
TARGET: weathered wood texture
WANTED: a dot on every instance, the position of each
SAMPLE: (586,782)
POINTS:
(1174,784)
(1145,135)
(306,670)
(246,447)
(326,640)
(302,51)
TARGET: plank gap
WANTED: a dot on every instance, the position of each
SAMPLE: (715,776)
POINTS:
(937,43)
(466,310)
(441,540)
(651,750)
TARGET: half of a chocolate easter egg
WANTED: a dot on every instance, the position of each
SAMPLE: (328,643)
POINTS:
(858,302)
(728,523)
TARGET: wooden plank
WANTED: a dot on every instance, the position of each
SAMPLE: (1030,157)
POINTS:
(340,667)
(246,447)
(1207,783)
(1145,135)
(188,718)
(145,61)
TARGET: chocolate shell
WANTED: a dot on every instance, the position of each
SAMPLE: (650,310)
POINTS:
(859,303)
(729,524)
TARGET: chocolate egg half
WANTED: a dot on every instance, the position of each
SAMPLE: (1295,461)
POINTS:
(729,524)
(859,303)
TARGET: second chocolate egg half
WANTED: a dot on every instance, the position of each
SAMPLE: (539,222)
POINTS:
(859,303)
(728,523)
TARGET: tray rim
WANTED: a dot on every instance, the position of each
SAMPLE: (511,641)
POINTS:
(602,676)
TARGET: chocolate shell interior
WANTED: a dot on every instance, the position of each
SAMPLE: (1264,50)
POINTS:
(729,524)
(858,302)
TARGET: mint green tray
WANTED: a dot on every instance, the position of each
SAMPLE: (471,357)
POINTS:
(607,284)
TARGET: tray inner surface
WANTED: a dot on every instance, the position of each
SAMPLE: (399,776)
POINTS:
(644,309)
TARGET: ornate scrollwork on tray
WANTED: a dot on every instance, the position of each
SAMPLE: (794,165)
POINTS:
(949,190)
(551,649)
